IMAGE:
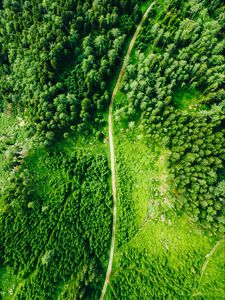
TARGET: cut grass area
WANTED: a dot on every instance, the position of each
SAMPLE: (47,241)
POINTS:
(148,167)
(6,122)
(178,236)
(188,100)
(146,164)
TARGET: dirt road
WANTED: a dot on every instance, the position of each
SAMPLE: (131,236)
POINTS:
(112,152)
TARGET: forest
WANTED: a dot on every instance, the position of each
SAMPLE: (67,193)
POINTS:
(56,60)
(62,220)
(178,88)
(50,234)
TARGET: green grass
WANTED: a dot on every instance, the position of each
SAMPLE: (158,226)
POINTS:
(179,247)
(159,230)
(188,100)
(145,6)
(147,164)
(212,282)
(9,284)
(148,167)
(55,179)
(47,180)
(178,236)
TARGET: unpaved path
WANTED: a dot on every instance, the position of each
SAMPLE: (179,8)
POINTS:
(112,152)
(204,267)
(209,255)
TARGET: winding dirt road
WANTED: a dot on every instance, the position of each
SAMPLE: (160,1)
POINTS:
(112,152)
(209,255)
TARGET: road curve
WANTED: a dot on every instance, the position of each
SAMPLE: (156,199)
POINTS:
(209,255)
(112,152)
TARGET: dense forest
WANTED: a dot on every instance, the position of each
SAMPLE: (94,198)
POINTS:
(59,62)
(39,39)
(173,92)
(48,238)
(57,58)
(178,88)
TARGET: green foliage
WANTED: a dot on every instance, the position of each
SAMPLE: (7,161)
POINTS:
(127,226)
(178,87)
(8,283)
(154,277)
(38,43)
(56,64)
(164,261)
(51,237)
(143,186)
(212,281)
(187,100)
